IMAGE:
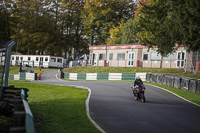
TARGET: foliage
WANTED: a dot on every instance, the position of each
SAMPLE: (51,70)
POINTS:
(115,33)
(164,23)
(101,15)
(124,33)
(5,6)
(129,31)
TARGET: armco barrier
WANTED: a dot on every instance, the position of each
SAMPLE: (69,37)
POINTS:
(23,76)
(128,76)
(193,85)
(115,76)
(169,80)
(91,76)
(177,82)
(198,86)
(81,76)
(185,83)
(103,76)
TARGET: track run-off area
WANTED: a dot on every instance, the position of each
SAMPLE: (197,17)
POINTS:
(112,107)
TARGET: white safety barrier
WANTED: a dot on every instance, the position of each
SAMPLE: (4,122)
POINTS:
(91,76)
(142,76)
(115,76)
(73,76)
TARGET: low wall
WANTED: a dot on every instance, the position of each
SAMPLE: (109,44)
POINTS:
(174,81)
(23,76)
(101,76)
(16,98)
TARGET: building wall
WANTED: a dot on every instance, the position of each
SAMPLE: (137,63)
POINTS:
(152,61)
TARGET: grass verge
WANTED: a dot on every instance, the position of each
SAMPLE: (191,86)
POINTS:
(58,109)
(15,70)
(194,97)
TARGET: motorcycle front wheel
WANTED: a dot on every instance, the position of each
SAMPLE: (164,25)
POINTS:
(142,97)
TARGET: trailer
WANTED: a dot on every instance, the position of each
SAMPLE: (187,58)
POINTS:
(45,61)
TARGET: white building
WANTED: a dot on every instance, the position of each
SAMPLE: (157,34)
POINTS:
(45,61)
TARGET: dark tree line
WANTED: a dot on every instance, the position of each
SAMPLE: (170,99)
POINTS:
(60,27)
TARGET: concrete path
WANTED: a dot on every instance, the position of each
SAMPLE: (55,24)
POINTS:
(113,108)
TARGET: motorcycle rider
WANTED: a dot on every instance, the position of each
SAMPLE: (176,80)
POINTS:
(138,82)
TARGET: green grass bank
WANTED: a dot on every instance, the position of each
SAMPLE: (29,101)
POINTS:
(58,109)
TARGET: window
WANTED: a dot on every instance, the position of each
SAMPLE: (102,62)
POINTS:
(13,57)
(120,56)
(180,59)
(21,58)
(155,56)
(53,59)
(41,58)
(17,58)
(37,58)
(169,57)
(145,56)
(59,60)
(29,58)
(46,58)
(102,56)
(111,56)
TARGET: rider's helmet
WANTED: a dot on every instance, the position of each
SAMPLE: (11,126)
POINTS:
(137,78)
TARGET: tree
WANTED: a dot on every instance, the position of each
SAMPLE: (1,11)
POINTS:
(73,27)
(5,11)
(164,23)
(102,15)
(124,33)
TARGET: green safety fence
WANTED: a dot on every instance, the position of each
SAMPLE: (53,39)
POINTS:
(102,76)
(22,76)
(66,75)
(81,76)
(128,76)
(11,77)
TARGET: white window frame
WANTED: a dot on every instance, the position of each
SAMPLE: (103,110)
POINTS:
(180,61)
(131,61)
(145,53)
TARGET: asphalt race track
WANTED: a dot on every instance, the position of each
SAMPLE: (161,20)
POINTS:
(114,109)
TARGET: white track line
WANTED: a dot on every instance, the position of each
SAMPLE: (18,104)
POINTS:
(175,95)
(87,104)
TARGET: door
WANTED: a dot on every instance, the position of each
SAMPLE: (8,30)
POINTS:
(131,59)
(94,59)
(180,59)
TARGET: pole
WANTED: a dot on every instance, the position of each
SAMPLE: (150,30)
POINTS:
(7,61)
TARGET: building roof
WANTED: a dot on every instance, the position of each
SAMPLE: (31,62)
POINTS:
(123,46)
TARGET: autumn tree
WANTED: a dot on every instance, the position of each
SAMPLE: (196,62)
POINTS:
(101,15)
(164,23)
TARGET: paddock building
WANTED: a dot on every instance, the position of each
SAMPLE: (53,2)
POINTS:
(136,55)
(45,61)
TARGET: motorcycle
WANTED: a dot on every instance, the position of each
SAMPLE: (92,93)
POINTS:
(138,92)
